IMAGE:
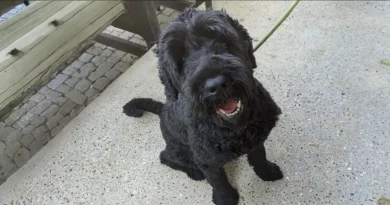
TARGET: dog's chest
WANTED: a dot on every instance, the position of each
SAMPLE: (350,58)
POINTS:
(243,143)
(232,145)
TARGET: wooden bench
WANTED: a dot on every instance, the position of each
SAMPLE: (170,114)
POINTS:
(40,39)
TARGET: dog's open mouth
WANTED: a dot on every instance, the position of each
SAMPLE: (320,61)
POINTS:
(230,108)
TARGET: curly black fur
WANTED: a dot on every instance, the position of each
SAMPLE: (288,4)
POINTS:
(195,47)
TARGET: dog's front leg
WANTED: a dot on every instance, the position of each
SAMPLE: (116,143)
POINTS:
(265,169)
(223,192)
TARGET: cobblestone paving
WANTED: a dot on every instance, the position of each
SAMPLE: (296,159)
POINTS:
(12,12)
(43,115)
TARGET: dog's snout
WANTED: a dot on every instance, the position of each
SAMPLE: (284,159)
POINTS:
(215,84)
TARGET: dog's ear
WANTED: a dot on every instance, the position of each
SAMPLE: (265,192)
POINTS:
(246,40)
(171,54)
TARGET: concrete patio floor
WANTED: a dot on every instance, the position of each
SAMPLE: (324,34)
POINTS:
(327,68)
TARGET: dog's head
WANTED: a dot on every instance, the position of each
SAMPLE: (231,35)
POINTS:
(208,57)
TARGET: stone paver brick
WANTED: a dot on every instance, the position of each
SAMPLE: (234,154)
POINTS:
(3,146)
(116,33)
(72,81)
(69,70)
(37,98)
(65,120)
(54,132)
(17,114)
(113,59)
(2,124)
(117,29)
(138,41)
(12,149)
(76,111)
(112,74)
(25,99)
(100,71)
(40,107)
(60,101)
(37,120)
(10,135)
(95,75)
(8,170)
(137,37)
(99,45)
(95,50)
(28,105)
(53,122)
(101,83)
(27,139)
(126,35)
(129,58)
(63,88)
(167,12)
(39,131)
(83,85)
(121,66)
(119,54)
(22,156)
(50,111)
(85,57)
(76,96)
(106,53)
(105,67)
(67,107)
(24,121)
(50,94)
(28,129)
(91,92)
(175,14)
(39,143)
(110,28)
(57,81)
(164,19)
(4,158)
(163,26)
(98,60)
(17,126)
(77,64)
(92,98)
(84,71)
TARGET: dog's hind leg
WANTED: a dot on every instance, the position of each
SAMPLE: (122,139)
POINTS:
(179,158)
(265,169)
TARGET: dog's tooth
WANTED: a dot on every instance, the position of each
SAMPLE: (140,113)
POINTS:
(223,112)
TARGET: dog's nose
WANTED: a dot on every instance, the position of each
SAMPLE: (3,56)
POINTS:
(215,84)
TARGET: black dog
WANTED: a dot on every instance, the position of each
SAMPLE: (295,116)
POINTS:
(216,110)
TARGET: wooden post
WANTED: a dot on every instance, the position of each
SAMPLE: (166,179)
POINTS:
(141,19)
(209,4)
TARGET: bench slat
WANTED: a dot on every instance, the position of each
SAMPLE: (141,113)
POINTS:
(11,29)
(48,55)
(39,33)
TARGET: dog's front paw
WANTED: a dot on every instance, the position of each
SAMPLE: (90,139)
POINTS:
(269,172)
(226,198)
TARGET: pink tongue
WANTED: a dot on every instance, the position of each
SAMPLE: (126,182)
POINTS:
(229,106)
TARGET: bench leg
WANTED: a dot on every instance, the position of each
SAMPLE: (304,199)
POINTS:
(209,4)
(144,18)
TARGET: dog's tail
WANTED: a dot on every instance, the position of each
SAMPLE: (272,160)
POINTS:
(137,106)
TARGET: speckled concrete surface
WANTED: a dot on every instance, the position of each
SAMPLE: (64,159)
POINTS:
(323,67)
